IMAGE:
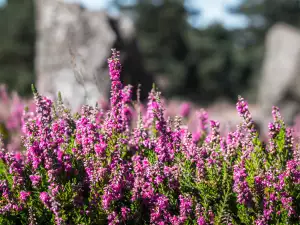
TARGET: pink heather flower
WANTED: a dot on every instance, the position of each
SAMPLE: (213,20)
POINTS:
(287,205)
(158,114)
(149,117)
(269,206)
(185,110)
(240,185)
(258,180)
(243,110)
(126,110)
(176,220)
(43,109)
(199,215)
(100,148)
(261,221)
(203,119)
(18,156)
(116,118)
(276,114)
(211,216)
(215,132)
(274,129)
(126,94)
(196,136)
(4,189)
(124,212)
(54,189)
(160,212)
(113,219)
(289,142)
(24,195)
(115,66)
(201,220)
(185,206)
(45,198)
(292,170)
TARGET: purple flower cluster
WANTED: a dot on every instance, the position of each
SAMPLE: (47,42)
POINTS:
(101,166)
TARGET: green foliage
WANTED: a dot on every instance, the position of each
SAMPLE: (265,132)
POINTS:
(17,45)
(201,64)
(4,175)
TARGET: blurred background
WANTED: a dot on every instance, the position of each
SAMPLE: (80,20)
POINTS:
(195,50)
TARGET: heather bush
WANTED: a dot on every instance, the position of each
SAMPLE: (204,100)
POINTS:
(98,167)
(12,119)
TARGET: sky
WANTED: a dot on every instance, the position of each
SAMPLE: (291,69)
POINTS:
(212,10)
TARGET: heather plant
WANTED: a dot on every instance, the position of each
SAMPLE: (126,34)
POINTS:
(100,167)
(12,118)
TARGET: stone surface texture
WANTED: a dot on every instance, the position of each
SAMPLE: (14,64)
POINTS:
(72,48)
(280,80)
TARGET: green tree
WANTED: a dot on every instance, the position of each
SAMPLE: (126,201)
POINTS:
(161,31)
(202,64)
(17,45)
(262,14)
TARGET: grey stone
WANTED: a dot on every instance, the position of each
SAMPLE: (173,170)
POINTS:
(72,48)
(280,83)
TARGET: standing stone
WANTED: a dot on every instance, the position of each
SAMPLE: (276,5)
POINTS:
(280,83)
(72,48)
